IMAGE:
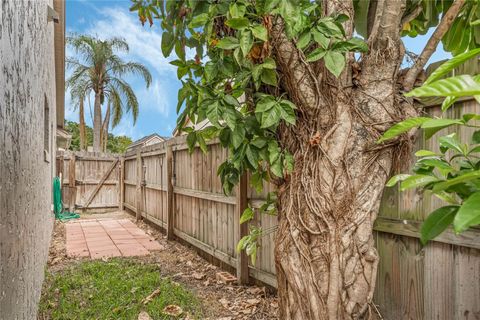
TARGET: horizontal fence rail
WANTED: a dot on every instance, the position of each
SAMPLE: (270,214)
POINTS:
(180,192)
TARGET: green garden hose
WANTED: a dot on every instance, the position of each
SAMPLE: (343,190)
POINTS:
(58,204)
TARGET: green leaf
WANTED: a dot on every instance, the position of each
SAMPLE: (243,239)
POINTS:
(247,215)
(191,140)
(402,127)
(473,175)
(396,178)
(260,32)
(252,156)
(271,117)
(451,64)
(304,39)
(476,137)
(289,162)
(264,105)
(230,117)
(451,142)
(231,101)
(459,86)
(432,126)
(316,54)
(287,112)
(354,44)
(259,142)
(329,28)
(167,43)
(238,135)
(246,42)
(416,181)
(269,63)
(335,62)
(199,21)
(237,10)
(228,43)
(273,151)
(436,222)
(425,153)
(237,23)
(269,77)
(320,39)
(242,243)
(448,102)
(469,214)
(276,168)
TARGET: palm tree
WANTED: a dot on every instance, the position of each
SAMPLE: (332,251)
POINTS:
(99,71)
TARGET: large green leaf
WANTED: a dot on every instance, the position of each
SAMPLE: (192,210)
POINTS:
(469,213)
(246,41)
(396,178)
(316,54)
(416,181)
(451,64)
(237,23)
(271,116)
(460,179)
(432,126)
(437,222)
(199,21)
(459,86)
(247,215)
(451,142)
(228,43)
(167,43)
(403,127)
(260,32)
(335,62)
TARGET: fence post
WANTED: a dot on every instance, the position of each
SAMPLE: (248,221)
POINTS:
(71,183)
(121,183)
(138,213)
(170,211)
(241,205)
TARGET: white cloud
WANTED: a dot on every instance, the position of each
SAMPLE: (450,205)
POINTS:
(144,42)
(155,98)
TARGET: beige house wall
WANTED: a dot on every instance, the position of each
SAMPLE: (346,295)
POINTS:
(27,152)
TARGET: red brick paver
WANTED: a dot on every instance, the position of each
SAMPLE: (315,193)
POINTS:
(98,239)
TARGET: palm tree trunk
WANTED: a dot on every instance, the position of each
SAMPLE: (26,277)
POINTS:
(81,116)
(97,124)
(106,123)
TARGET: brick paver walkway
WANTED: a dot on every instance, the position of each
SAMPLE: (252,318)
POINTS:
(100,238)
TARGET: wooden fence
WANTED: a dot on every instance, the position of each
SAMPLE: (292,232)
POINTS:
(90,180)
(181,193)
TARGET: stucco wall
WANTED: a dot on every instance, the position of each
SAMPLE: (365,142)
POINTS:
(27,76)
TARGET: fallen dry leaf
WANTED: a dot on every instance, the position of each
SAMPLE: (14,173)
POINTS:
(144,316)
(151,296)
(198,276)
(172,310)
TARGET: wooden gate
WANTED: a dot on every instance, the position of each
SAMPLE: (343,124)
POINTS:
(90,180)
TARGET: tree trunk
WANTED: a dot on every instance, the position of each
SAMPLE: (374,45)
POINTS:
(97,124)
(106,123)
(81,127)
(325,257)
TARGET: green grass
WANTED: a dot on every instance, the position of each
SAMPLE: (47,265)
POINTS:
(111,290)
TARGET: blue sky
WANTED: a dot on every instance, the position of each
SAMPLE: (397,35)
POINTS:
(112,18)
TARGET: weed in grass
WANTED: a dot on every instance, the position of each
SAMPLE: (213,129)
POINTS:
(111,290)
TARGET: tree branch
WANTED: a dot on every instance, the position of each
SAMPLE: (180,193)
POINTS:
(432,43)
(412,15)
